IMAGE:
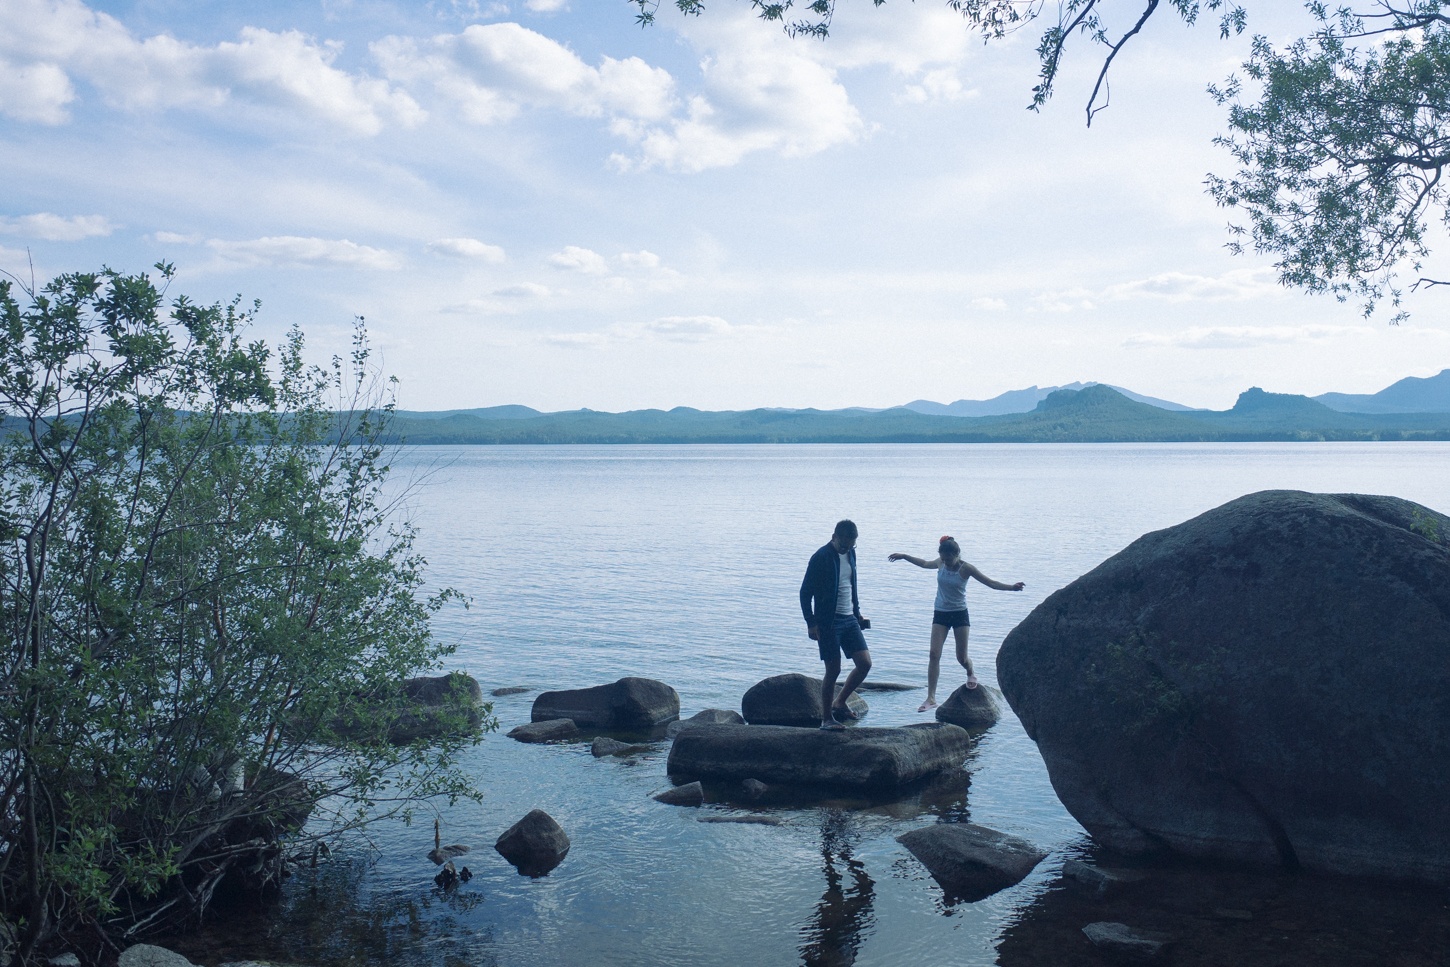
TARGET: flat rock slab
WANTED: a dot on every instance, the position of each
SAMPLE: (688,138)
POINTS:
(535,844)
(603,746)
(974,709)
(553,730)
(857,758)
(630,704)
(747,820)
(971,862)
(792,699)
(510,690)
(1123,942)
(886,687)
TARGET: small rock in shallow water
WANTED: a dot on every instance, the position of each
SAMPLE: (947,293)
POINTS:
(510,690)
(603,746)
(1123,941)
(754,788)
(150,955)
(971,862)
(535,844)
(690,794)
(749,820)
(1098,880)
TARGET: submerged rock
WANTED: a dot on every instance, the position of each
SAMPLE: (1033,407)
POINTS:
(1266,683)
(971,862)
(859,758)
(974,709)
(553,730)
(870,686)
(792,699)
(535,844)
(1123,941)
(510,690)
(603,746)
(630,704)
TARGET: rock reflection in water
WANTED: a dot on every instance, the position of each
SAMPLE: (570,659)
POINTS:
(327,920)
(1219,916)
(844,916)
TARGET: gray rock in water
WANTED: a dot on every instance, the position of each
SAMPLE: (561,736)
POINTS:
(150,955)
(630,704)
(555,730)
(443,854)
(1124,942)
(535,844)
(869,686)
(709,716)
(64,960)
(510,690)
(690,794)
(859,758)
(753,788)
(603,746)
(1265,683)
(792,699)
(1097,880)
(974,709)
(747,820)
(971,862)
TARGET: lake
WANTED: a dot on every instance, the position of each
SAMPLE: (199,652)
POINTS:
(682,563)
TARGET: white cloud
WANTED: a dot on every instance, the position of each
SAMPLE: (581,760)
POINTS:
(937,85)
(688,328)
(1240,337)
(175,238)
(523,290)
(490,72)
(763,92)
(293,250)
(989,304)
(643,259)
(1183,287)
(467,248)
(576,259)
(57,228)
(34,92)
(47,43)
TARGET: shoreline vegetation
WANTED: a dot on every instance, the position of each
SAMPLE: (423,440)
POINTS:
(1094,414)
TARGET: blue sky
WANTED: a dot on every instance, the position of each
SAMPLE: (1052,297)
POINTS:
(541,203)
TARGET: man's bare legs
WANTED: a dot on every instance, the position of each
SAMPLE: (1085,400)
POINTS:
(830,700)
(933,666)
(962,632)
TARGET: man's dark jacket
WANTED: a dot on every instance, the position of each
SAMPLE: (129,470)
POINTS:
(821,584)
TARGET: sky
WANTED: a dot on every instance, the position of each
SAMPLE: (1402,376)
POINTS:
(542,203)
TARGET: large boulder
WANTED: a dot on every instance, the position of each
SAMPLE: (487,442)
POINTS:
(974,709)
(628,705)
(971,862)
(792,699)
(535,844)
(438,705)
(1268,682)
(858,758)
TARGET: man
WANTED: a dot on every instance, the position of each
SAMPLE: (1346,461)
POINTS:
(833,620)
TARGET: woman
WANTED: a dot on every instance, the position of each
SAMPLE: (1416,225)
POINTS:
(950,609)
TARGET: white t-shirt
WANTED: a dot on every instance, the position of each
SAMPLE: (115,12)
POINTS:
(843,589)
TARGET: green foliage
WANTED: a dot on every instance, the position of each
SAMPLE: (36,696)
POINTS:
(1343,154)
(201,574)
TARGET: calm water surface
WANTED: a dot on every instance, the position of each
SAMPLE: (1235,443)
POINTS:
(682,563)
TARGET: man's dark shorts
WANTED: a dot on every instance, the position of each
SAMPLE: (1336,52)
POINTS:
(951,619)
(845,635)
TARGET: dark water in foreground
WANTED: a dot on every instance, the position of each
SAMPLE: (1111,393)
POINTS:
(682,564)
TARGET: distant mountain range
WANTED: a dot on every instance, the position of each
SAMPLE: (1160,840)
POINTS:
(1085,413)
(1412,394)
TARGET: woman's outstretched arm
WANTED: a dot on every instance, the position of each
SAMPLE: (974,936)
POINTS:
(968,571)
(931,565)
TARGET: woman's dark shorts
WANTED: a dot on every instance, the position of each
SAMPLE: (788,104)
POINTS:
(843,635)
(951,619)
